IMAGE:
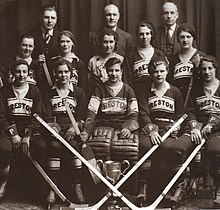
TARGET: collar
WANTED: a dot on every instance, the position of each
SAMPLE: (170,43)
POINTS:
(70,58)
(166,86)
(44,32)
(70,86)
(114,29)
(172,28)
(28,60)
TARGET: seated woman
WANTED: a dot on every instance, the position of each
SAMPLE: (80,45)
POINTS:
(66,45)
(25,50)
(107,46)
(55,112)
(137,60)
(204,108)
(19,100)
(160,105)
(114,110)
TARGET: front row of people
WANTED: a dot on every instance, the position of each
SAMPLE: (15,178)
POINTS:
(113,104)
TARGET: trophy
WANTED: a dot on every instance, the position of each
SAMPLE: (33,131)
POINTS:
(112,170)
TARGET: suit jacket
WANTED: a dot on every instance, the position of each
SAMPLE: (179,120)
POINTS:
(160,34)
(40,46)
(124,45)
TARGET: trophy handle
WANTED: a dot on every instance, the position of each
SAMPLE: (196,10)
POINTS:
(99,164)
(125,162)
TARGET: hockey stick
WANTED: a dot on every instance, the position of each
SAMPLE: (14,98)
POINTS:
(47,74)
(188,92)
(112,187)
(52,185)
(85,150)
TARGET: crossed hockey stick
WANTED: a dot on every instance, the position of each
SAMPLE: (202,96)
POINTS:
(115,188)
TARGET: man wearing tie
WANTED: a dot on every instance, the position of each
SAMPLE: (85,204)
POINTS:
(166,39)
(46,35)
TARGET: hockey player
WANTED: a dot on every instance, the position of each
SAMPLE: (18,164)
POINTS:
(25,49)
(183,65)
(161,104)
(108,40)
(66,45)
(204,107)
(18,101)
(137,60)
(114,110)
(56,115)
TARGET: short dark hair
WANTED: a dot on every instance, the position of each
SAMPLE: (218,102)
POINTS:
(60,62)
(108,32)
(112,61)
(157,62)
(47,7)
(18,63)
(145,23)
(209,58)
(23,36)
(187,28)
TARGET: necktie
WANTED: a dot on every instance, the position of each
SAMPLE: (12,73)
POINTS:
(47,38)
(168,32)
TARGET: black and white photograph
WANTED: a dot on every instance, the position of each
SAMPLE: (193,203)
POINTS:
(109,104)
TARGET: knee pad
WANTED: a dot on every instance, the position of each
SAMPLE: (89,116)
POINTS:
(100,142)
(125,149)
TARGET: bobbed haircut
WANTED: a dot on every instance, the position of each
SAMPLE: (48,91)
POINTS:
(108,32)
(66,33)
(157,62)
(18,63)
(112,61)
(61,62)
(145,23)
(209,58)
(187,28)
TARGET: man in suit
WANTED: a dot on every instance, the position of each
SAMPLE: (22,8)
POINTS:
(125,42)
(46,34)
(166,38)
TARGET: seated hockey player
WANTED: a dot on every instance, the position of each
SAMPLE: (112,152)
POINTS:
(55,114)
(160,105)
(113,109)
(19,100)
(203,108)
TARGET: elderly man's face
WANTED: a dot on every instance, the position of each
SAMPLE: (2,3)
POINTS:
(49,19)
(169,13)
(112,16)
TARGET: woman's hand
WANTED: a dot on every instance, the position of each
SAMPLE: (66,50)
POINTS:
(16,141)
(196,135)
(70,134)
(25,144)
(124,133)
(155,137)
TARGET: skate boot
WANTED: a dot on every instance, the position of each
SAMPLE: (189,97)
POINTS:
(142,195)
(178,194)
(2,189)
(50,199)
(79,193)
(216,200)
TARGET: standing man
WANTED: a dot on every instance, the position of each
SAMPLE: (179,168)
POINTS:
(111,16)
(45,35)
(166,39)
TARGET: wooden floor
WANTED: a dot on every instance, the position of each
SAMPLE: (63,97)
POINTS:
(27,201)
